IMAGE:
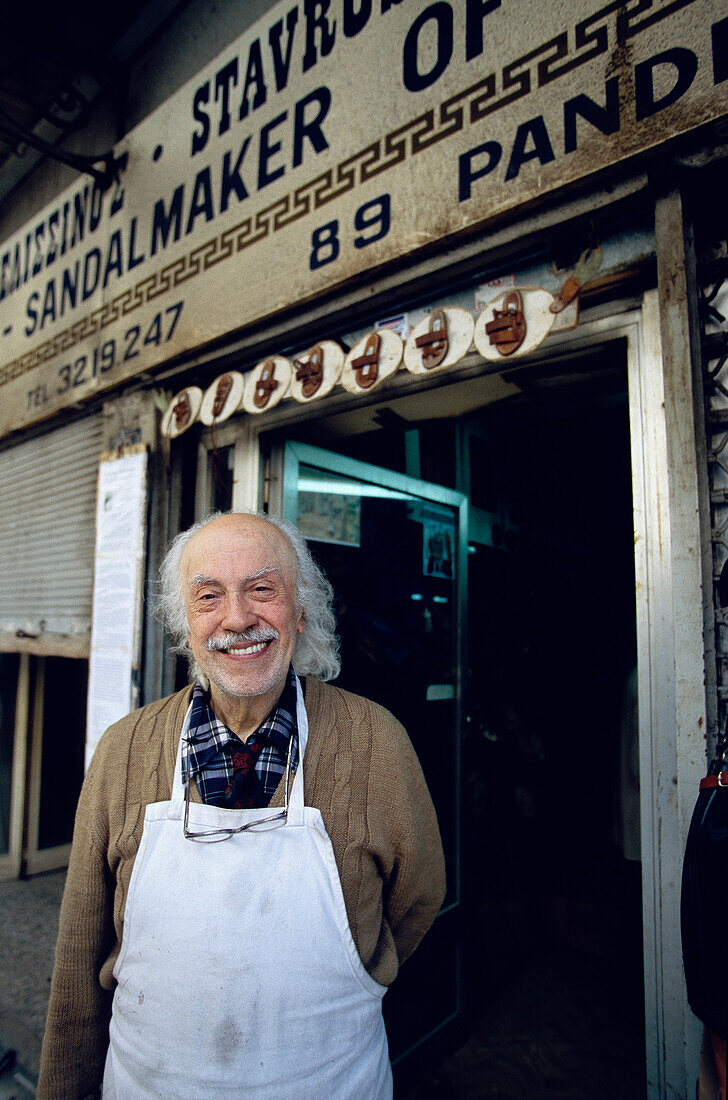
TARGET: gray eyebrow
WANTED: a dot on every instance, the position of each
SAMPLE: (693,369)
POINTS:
(200,578)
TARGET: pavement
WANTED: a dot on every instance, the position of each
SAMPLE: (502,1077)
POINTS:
(28,928)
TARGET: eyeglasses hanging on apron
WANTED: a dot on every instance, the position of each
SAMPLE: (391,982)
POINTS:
(213,836)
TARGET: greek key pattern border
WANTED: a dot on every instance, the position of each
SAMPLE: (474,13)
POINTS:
(613,24)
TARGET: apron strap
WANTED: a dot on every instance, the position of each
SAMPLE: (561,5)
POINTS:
(178,791)
(296,800)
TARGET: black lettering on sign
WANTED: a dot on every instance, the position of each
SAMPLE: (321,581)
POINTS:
(80,205)
(79,371)
(475,164)
(113,257)
(154,332)
(95,213)
(442,18)
(324,245)
(315,15)
(134,258)
(32,312)
(53,244)
(37,396)
(201,200)
(175,310)
(64,378)
(108,355)
(269,149)
(281,61)
(224,79)
(310,129)
(719,39)
(374,215)
(131,336)
(604,119)
(535,131)
(163,221)
(372,221)
(684,64)
(91,272)
(38,261)
(231,178)
(355,20)
(49,304)
(86,368)
(200,137)
(253,78)
(475,13)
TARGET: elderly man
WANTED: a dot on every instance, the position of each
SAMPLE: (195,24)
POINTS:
(231,918)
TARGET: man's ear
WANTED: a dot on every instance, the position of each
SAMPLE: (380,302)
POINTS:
(301,623)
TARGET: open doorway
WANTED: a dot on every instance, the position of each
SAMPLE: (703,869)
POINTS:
(550,935)
(551,870)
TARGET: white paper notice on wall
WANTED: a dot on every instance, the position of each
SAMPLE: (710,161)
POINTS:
(121,507)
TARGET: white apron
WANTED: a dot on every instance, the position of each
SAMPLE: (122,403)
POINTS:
(238,975)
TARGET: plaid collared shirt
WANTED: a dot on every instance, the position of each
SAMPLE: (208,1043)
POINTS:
(211,766)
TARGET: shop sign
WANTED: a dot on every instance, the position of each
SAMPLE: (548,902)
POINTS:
(333,137)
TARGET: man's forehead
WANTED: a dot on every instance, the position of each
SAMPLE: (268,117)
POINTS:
(247,544)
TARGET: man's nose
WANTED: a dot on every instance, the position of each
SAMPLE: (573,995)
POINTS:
(239,613)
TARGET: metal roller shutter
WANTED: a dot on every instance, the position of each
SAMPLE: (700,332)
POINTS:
(47,505)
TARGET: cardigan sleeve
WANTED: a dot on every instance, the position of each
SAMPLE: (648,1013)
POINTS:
(406,837)
(362,773)
(77,1026)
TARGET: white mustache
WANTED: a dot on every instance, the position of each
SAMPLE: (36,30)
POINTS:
(247,637)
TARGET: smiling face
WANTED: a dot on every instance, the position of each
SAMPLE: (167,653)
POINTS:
(238,578)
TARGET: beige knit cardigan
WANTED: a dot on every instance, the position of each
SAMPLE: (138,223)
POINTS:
(360,771)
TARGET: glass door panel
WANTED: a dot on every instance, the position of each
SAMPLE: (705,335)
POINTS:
(395,551)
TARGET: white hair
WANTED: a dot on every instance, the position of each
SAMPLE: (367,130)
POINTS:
(316,651)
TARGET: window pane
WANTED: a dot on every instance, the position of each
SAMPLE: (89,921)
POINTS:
(64,734)
(9,665)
